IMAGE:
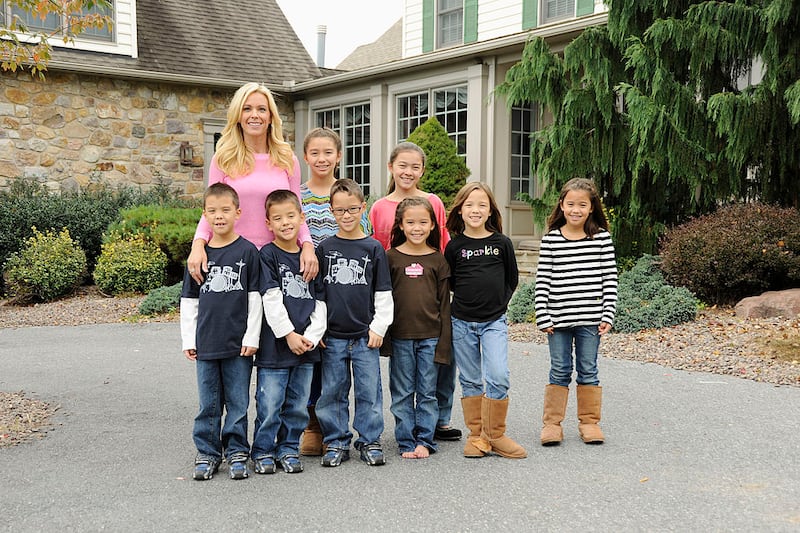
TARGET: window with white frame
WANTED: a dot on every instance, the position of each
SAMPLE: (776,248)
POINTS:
(411,112)
(449,108)
(523,124)
(450,18)
(555,10)
(53,22)
(355,135)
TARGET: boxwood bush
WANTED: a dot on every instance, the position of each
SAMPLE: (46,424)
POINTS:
(645,300)
(162,300)
(171,228)
(740,250)
(130,264)
(49,265)
(522,307)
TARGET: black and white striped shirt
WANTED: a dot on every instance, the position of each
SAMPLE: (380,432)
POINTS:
(576,281)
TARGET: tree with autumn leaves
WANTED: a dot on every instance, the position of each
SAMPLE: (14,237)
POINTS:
(24,47)
(674,108)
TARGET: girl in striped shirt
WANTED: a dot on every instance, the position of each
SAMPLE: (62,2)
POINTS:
(576,298)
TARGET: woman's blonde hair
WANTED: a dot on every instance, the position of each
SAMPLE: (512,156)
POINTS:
(233,156)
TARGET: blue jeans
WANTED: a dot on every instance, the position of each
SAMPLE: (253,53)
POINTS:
(445,387)
(586,340)
(222,384)
(316,385)
(333,407)
(481,353)
(412,380)
(281,410)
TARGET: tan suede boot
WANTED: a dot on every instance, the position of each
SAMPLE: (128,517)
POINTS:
(475,446)
(311,441)
(555,405)
(493,414)
(590,399)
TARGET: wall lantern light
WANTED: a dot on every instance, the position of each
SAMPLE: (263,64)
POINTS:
(186,153)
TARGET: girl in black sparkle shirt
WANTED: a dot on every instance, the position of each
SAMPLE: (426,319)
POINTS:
(483,277)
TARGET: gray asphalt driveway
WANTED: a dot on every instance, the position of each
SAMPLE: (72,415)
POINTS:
(684,452)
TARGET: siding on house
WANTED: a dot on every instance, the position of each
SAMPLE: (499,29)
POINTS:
(498,18)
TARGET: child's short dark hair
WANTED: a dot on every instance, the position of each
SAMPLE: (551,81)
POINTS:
(347,186)
(281,196)
(221,189)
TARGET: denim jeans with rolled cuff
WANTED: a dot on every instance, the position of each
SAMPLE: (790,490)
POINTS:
(281,410)
(222,385)
(333,406)
(412,382)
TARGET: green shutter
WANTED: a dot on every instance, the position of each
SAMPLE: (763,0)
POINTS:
(428,25)
(470,21)
(584,7)
(530,12)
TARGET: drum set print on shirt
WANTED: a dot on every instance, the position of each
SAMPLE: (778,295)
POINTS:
(345,272)
(223,278)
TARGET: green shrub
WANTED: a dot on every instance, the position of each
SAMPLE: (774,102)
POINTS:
(161,300)
(130,264)
(645,300)
(739,251)
(522,307)
(445,170)
(171,228)
(48,266)
(85,213)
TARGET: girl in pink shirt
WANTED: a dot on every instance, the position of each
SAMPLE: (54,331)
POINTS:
(406,167)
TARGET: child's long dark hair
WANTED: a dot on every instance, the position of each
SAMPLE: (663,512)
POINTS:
(596,220)
(398,237)
(455,222)
(405,146)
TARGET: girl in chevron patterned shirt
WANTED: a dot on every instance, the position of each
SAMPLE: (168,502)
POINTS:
(322,150)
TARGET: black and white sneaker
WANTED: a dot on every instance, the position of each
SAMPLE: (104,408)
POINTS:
(372,454)
(237,465)
(291,464)
(335,456)
(205,466)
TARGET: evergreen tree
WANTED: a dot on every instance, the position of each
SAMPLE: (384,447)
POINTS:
(673,108)
(445,170)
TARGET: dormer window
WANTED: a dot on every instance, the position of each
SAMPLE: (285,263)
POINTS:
(450,18)
(555,10)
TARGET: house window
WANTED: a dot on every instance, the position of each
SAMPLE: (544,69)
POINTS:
(450,109)
(411,112)
(522,125)
(355,135)
(356,145)
(451,112)
(554,10)
(450,17)
(54,23)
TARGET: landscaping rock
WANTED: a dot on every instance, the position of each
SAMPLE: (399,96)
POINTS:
(772,303)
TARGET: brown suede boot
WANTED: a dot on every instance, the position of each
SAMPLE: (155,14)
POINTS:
(493,414)
(589,402)
(555,405)
(311,441)
(475,445)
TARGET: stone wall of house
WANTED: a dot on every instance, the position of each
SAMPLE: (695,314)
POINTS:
(71,131)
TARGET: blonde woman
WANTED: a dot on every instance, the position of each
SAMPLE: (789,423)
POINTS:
(253,158)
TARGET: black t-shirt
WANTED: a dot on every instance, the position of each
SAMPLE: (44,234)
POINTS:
(281,269)
(483,276)
(352,271)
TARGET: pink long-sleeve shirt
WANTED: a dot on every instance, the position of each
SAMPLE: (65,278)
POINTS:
(253,190)
(381,214)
